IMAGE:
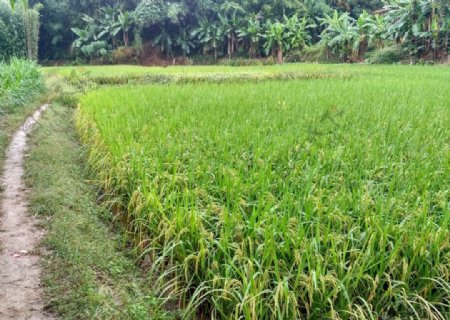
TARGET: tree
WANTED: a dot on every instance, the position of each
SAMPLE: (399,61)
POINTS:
(153,12)
(375,26)
(356,7)
(275,10)
(297,36)
(108,24)
(12,33)
(362,41)
(340,35)
(30,17)
(86,35)
(126,21)
(164,41)
(209,34)
(231,20)
(422,26)
(184,41)
(401,16)
(104,26)
(275,37)
(251,34)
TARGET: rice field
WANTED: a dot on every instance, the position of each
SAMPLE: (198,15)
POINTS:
(324,198)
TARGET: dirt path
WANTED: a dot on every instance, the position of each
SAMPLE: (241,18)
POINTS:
(20,287)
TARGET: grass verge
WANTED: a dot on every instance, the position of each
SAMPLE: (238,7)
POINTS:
(87,275)
(9,123)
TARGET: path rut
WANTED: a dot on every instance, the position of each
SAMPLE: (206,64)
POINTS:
(20,272)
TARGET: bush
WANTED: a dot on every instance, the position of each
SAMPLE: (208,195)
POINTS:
(317,53)
(294,56)
(126,55)
(20,81)
(388,55)
(95,49)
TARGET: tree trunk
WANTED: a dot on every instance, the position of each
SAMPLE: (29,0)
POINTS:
(362,49)
(280,54)
(126,39)
(445,49)
(252,51)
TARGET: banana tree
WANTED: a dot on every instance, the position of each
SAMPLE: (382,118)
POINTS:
(231,19)
(184,41)
(164,41)
(362,41)
(86,35)
(126,21)
(251,34)
(434,22)
(401,17)
(275,39)
(422,26)
(375,26)
(209,34)
(340,35)
(297,36)
(109,24)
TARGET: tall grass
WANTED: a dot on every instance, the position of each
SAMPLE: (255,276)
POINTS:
(20,81)
(320,199)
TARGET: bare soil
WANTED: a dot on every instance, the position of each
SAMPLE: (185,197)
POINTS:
(20,272)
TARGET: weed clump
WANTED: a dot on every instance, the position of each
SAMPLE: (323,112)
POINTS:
(20,81)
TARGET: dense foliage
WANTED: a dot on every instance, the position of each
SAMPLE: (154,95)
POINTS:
(20,81)
(19,30)
(12,35)
(342,30)
(312,199)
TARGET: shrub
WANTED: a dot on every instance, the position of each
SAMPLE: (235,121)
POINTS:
(126,55)
(95,49)
(388,55)
(316,53)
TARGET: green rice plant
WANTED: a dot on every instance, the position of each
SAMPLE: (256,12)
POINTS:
(318,199)
(20,81)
